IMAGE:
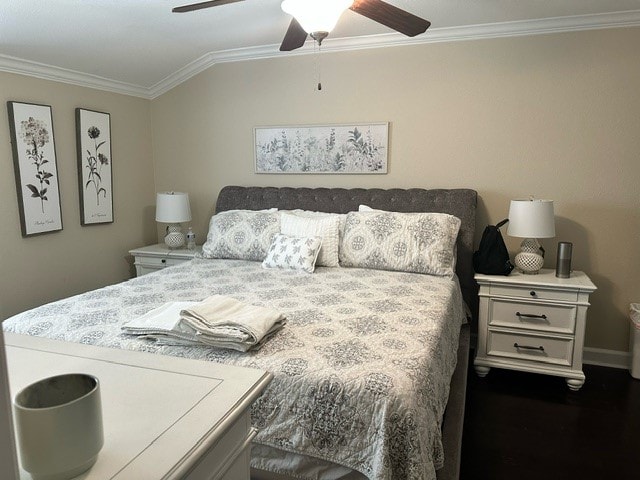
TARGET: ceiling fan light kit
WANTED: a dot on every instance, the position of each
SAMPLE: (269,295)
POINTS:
(316,15)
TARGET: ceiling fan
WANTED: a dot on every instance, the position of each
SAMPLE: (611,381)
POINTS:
(318,17)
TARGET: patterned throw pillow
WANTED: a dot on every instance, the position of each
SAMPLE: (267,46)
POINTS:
(293,253)
(241,234)
(312,225)
(408,242)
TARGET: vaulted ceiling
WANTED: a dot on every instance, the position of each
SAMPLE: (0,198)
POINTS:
(139,47)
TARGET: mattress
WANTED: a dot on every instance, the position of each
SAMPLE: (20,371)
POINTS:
(361,369)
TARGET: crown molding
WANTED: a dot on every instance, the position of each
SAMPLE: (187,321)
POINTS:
(436,35)
(57,74)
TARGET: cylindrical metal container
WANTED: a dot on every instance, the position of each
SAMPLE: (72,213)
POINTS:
(563,262)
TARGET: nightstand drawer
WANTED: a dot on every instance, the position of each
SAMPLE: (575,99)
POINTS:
(159,262)
(531,315)
(534,293)
(558,351)
(155,257)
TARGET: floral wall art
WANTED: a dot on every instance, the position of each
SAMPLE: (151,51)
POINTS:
(354,148)
(35,166)
(93,138)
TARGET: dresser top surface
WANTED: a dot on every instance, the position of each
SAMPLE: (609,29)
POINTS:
(156,408)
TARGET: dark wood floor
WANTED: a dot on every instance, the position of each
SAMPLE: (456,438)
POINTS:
(527,426)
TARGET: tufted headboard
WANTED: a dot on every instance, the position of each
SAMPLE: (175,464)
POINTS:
(459,202)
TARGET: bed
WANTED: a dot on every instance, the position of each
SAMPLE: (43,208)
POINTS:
(355,394)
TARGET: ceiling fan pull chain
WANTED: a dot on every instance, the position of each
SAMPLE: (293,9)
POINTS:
(319,67)
(319,71)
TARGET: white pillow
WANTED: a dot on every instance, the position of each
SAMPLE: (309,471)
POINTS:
(241,234)
(293,253)
(367,208)
(313,214)
(409,242)
(315,224)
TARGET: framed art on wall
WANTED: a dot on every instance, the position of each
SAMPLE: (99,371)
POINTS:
(35,167)
(352,148)
(95,179)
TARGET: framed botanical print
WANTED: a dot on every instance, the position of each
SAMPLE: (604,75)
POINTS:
(35,167)
(328,149)
(95,179)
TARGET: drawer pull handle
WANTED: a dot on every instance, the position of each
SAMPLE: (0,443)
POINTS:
(530,315)
(528,347)
(164,260)
(532,293)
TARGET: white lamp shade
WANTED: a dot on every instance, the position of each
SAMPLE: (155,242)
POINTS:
(172,207)
(316,15)
(531,219)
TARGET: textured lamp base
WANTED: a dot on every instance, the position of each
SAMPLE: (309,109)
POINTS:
(174,238)
(530,260)
(529,263)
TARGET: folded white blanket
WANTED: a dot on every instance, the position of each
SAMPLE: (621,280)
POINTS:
(227,322)
(163,321)
(217,321)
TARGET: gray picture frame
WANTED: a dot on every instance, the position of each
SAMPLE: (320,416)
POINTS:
(355,148)
(35,167)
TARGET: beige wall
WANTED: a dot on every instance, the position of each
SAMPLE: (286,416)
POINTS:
(47,267)
(555,116)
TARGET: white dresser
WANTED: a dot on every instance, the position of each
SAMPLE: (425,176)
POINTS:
(156,257)
(533,323)
(164,417)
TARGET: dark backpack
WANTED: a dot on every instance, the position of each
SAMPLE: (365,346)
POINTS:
(492,256)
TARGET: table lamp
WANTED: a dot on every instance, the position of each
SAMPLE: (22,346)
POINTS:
(173,208)
(531,219)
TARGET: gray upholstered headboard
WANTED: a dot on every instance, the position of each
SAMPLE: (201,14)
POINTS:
(459,202)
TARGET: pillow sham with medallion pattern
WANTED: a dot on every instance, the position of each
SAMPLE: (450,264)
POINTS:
(407,242)
(241,234)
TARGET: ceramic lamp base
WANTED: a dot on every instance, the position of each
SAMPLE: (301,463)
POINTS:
(531,259)
(174,237)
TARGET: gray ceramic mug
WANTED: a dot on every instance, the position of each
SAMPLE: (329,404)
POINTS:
(59,426)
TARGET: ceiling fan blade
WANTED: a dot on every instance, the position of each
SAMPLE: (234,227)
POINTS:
(198,6)
(393,17)
(294,38)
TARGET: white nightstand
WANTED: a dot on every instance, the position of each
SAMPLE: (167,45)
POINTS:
(156,257)
(533,323)
(164,417)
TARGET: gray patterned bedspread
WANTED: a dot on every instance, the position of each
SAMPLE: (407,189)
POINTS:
(361,370)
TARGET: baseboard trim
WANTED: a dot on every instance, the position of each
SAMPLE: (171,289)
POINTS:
(606,358)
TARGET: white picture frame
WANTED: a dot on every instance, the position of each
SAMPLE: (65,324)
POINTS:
(356,148)
(35,167)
